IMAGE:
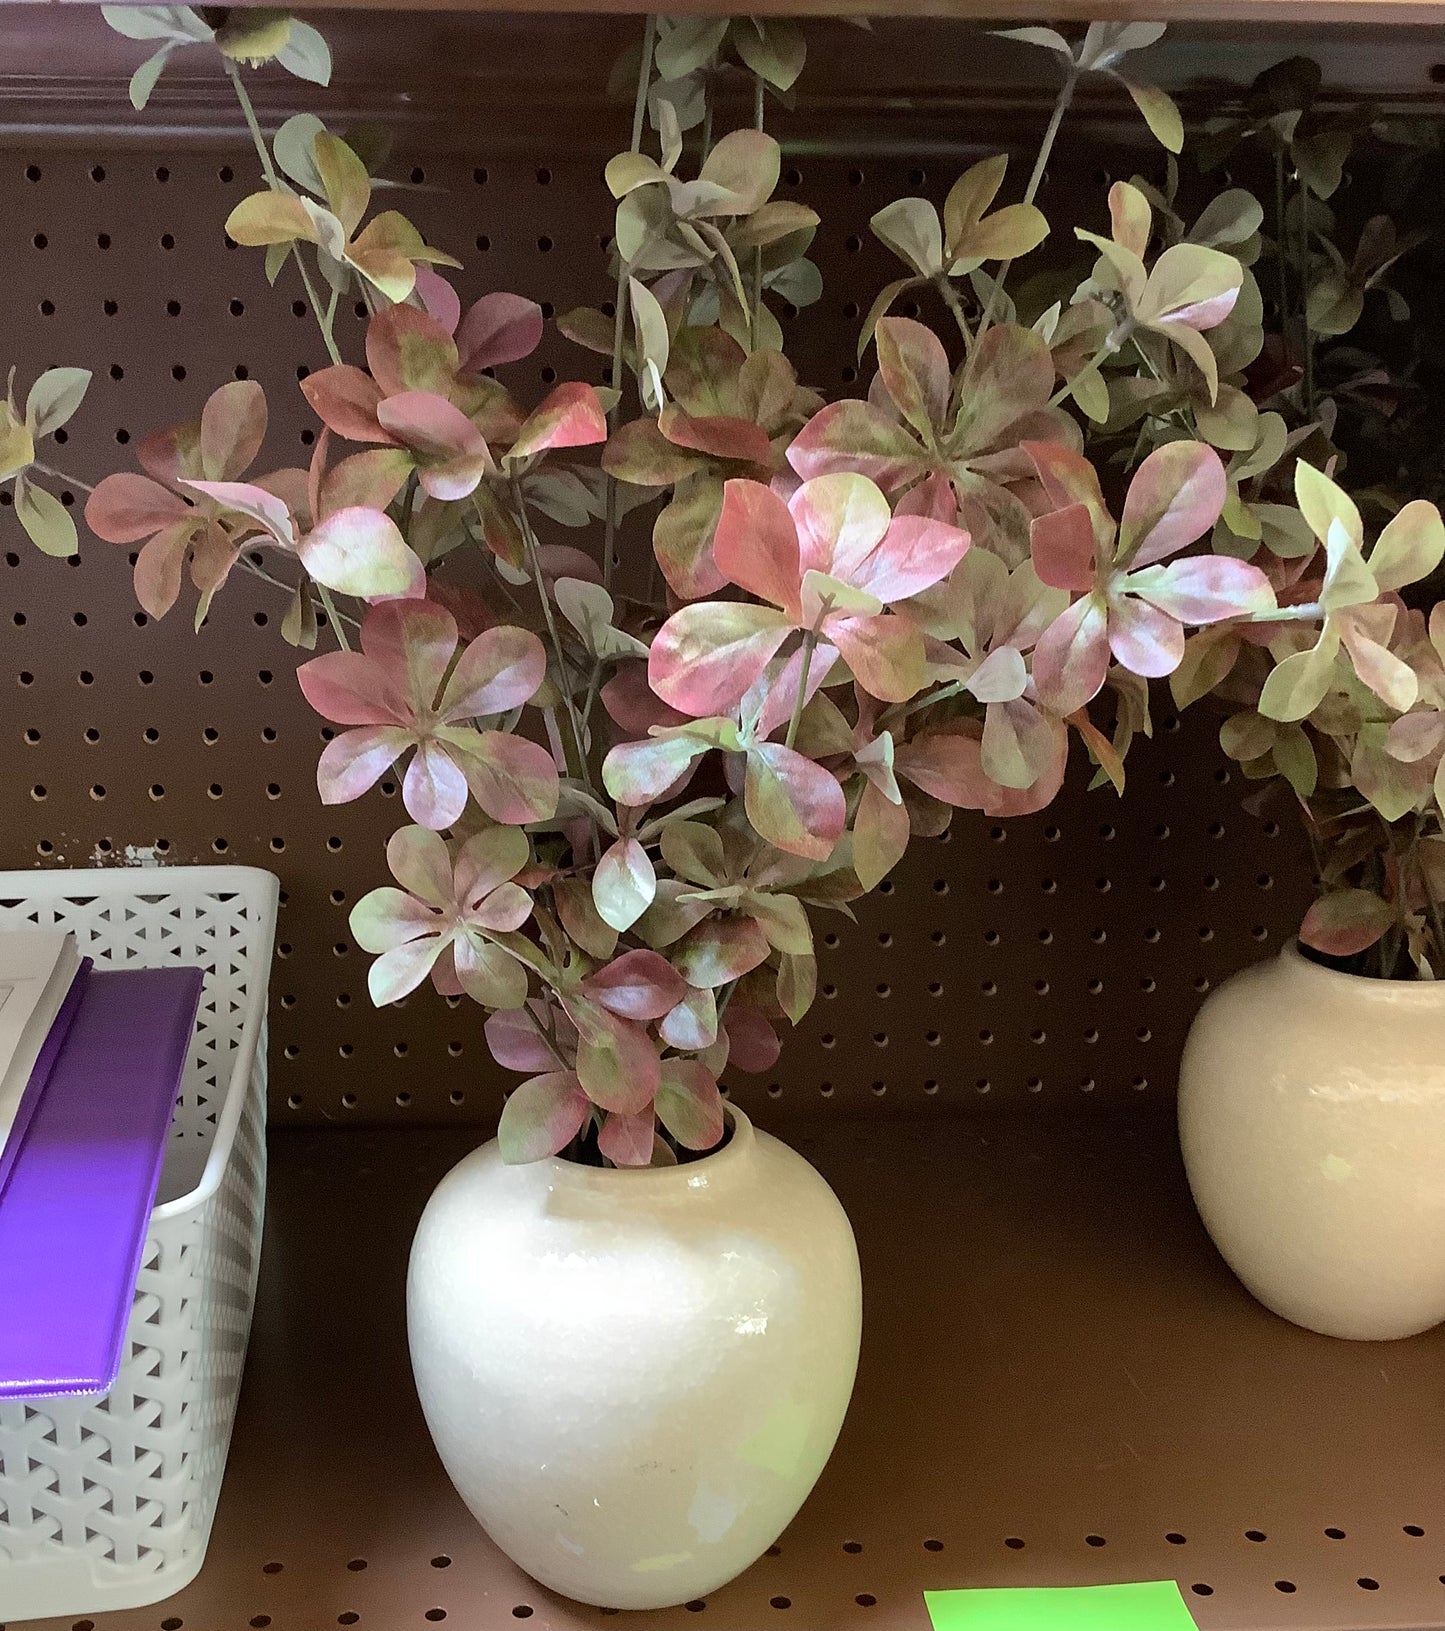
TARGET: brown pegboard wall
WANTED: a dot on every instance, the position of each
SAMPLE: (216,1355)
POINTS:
(1055,960)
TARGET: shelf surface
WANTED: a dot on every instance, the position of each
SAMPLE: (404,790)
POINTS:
(1061,1384)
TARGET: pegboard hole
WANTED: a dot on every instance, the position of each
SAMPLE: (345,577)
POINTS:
(1202,1590)
(272,1568)
(866,1599)
(1414,1529)
(1256,1535)
(1335,1534)
(933,1546)
(523,1611)
(350,1617)
(696,1606)
(1014,1543)
(1366,1584)
(1286,1586)
(1095,1540)
(853,1547)
(435,1614)
(780,1602)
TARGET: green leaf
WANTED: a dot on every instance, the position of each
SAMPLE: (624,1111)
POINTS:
(653,343)
(45,518)
(797,985)
(911,229)
(177,24)
(689,1104)
(53,399)
(624,884)
(774,48)
(143,80)
(1160,114)
(1322,503)
(1410,547)
(306,54)
(1347,922)
(541,1117)
(294,147)
(971,195)
(685,43)
(1298,684)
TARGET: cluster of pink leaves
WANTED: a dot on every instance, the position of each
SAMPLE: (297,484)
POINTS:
(851,666)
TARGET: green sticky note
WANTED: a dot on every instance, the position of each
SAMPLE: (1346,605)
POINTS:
(1150,1605)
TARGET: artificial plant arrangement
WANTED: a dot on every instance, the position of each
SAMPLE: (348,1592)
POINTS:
(630,792)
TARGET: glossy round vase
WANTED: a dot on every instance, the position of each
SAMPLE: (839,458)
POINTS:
(635,1377)
(1312,1119)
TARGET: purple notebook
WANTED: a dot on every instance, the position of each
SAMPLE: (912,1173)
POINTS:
(40,1073)
(74,1212)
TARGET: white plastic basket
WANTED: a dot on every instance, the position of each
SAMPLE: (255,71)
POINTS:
(107,1504)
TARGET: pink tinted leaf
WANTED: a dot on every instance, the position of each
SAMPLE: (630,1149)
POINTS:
(1393,681)
(577,912)
(856,436)
(880,837)
(233,426)
(627,1141)
(371,479)
(705,658)
(500,328)
(409,350)
(358,551)
(420,863)
(398,972)
(914,554)
(885,654)
(356,760)
(345,399)
(441,300)
(389,917)
(718,436)
(754,1045)
(1062,546)
(630,702)
(349,688)
(624,885)
(1175,497)
(514,780)
(1416,736)
(1067,478)
(571,416)
(915,371)
(777,710)
(945,765)
(434,790)
(933,497)
(430,424)
(639,985)
(840,520)
(541,1117)
(1203,589)
(616,1059)
(719,951)
(689,1104)
(514,1042)
(125,508)
(756,546)
(1072,656)
(1144,640)
(255,503)
(488,974)
(639,773)
(692,1025)
(793,803)
(157,576)
(503,911)
(1347,922)
(485,862)
(500,670)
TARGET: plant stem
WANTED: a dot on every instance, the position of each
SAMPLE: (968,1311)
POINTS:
(333,616)
(60,475)
(756,313)
(542,1032)
(619,310)
(1306,338)
(1118,335)
(1280,234)
(534,561)
(1046,148)
(951,300)
(273,181)
(810,642)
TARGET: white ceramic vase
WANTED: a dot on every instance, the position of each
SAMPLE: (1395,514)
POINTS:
(1312,1118)
(634,1377)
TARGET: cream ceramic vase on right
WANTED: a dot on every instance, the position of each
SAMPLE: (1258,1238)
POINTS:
(1312,1118)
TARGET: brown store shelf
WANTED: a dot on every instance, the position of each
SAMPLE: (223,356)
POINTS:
(1061,1384)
